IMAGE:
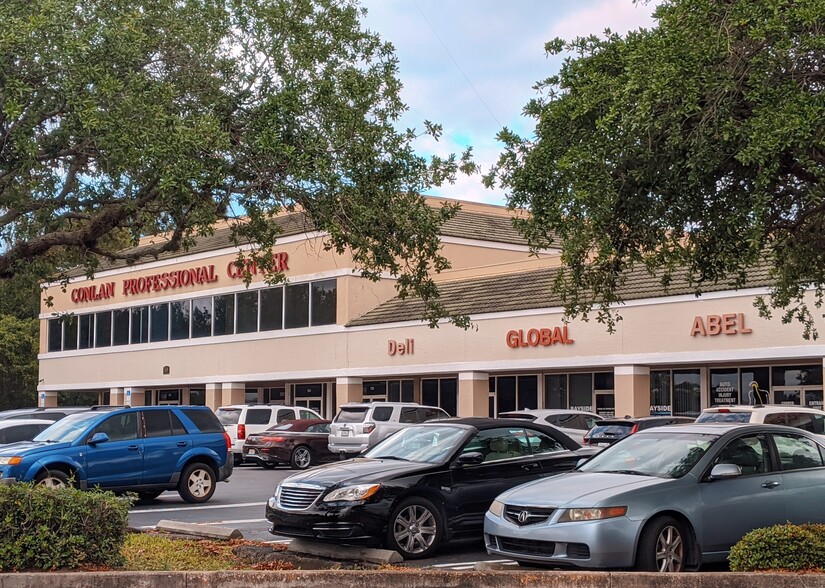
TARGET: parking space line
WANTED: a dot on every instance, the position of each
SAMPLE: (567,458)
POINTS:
(211,506)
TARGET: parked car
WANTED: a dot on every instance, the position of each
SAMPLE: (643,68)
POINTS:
(667,499)
(608,431)
(14,430)
(240,420)
(422,486)
(801,417)
(359,425)
(142,449)
(573,423)
(299,443)
(49,413)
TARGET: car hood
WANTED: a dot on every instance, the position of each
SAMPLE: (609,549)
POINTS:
(30,447)
(578,489)
(360,470)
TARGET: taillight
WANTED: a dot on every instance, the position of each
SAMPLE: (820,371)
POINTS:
(273,439)
(725,410)
(634,429)
(369,427)
(228,440)
(241,431)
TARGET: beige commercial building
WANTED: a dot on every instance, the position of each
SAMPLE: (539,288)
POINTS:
(185,329)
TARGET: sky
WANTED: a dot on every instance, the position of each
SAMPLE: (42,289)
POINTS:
(471,65)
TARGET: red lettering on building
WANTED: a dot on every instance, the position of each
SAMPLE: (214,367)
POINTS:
(280,263)
(92,293)
(170,280)
(405,347)
(538,337)
(719,324)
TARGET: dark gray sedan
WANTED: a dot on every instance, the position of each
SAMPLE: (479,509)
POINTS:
(666,499)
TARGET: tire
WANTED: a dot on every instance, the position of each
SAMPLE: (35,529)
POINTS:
(197,483)
(148,496)
(664,546)
(237,459)
(268,465)
(416,528)
(53,479)
(301,458)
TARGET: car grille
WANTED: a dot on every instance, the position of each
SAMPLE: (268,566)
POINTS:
(298,497)
(526,546)
(523,516)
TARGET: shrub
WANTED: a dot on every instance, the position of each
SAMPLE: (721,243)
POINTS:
(46,529)
(781,547)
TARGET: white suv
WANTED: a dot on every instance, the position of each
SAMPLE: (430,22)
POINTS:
(359,425)
(801,417)
(240,420)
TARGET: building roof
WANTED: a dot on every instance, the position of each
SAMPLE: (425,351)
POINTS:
(466,224)
(531,290)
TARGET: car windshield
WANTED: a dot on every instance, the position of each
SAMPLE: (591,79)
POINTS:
(660,454)
(429,444)
(69,428)
(611,430)
(724,417)
(228,416)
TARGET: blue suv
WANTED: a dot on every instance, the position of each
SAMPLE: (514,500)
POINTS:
(140,449)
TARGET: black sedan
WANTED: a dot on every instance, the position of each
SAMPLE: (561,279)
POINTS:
(422,486)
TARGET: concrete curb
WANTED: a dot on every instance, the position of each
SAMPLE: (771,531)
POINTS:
(408,579)
(345,552)
(199,530)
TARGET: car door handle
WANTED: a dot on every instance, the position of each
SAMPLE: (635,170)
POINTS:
(770,484)
(133,448)
(181,443)
(530,466)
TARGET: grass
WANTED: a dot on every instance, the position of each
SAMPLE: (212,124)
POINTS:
(152,552)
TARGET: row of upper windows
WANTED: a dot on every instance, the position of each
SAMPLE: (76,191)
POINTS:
(292,306)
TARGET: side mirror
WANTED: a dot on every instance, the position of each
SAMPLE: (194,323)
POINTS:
(470,458)
(98,438)
(724,471)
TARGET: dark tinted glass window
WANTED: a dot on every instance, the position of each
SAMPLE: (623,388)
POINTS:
(140,325)
(687,393)
(247,312)
(407,390)
(202,317)
(224,314)
(394,391)
(542,443)
(797,453)
(805,375)
(197,397)
(351,415)
(660,392)
(272,309)
(119,427)
(324,300)
(69,332)
(506,393)
(581,392)
(429,392)
(22,432)
(555,391)
(258,416)
(603,381)
(528,392)
(157,423)
(177,426)
(103,329)
(179,319)
(297,306)
(449,396)
(159,322)
(55,334)
(204,419)
(87,333)
(382,413)
(120,327)
(793,397)
(409,414)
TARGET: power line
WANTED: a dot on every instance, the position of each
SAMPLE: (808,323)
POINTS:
(493,116)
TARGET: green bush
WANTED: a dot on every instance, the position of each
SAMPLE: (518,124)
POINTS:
(46,529)
(781,547)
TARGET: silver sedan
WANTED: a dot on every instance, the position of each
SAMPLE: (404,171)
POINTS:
(666,499)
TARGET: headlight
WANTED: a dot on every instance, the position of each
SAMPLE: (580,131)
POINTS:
(592,514)
(357,492)
(272,502)
(497,508)
(10,460)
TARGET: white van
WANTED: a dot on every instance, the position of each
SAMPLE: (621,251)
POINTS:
(240,420)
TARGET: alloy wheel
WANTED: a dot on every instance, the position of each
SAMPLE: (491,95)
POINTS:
(670,550)
(199,483)
(415,529)
(302,457)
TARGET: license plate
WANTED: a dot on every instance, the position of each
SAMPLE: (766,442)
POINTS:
(603,444)
(344,433)
(252,451)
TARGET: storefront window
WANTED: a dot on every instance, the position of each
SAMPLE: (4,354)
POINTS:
(555,391)
(442,393)
(375,391)
(809,375)
(69,333)
(324,302)
(272,309)
(754,385)
(606,405)
(687,393)
(660,393)
(202,317)
(140,325)
(581,392)
(55,334)
(247,312)
(603,381)
(225,314)
(787,397)
(87,330)
(180,319)
(197,396)
(297,306)
(103,329)
(159,322)
(506,393)
(724,387)
(120,326)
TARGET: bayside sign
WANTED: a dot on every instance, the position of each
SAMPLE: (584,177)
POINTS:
(192,276)
(538,337)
